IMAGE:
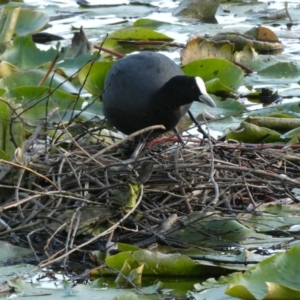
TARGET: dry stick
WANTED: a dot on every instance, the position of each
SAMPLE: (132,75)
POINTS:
(30,244)
(212,168)
(250,195)
(17,188)
(142,131)
(106,232)
(46,247)
(39,194)
(72,232)
(49,70)
(236,169)
(38,128)
(24,227)
(187,202)
(27,145)
(114,53)
(287,11)
(29,170)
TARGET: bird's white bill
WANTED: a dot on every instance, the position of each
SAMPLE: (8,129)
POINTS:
(204,97)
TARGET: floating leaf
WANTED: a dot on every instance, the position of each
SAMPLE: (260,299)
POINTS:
(241,40)
(200,48)
(201,10)
(214,86)
(25,55)
(259,281)
(30,21)
(150,23)
(35,99)
(281,70)
(279,124)
(11,128)
(295,133)
(138,33)
(33,78)
(263,34)
(93,76)
(250,133)
(6,69)
(8,21)
(229,74)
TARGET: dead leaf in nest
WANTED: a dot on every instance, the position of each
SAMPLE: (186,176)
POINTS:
(144,173)
(125,196)
(89,216)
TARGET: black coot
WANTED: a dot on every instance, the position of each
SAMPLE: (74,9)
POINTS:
(148,89)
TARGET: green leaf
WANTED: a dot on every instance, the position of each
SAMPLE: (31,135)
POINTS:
(93,76)
(279,124)
(281,70)
(250,133)
(229,74)
(37,101)
(25,55)
(8,21)
(144,22)
(11,128)
(30,21)
(138,33)
(282,268)
(215,85)
(33,78)
(156,263)
(295,133)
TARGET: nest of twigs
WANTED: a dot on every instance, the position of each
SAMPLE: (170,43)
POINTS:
(79,196)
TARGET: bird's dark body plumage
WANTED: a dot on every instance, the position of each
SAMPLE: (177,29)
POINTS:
(147,89)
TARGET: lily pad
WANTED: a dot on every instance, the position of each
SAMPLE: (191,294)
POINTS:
(276,277)
(250,133)
(25,55)
(93,76)
(138,33)
(229,74)
(30,21)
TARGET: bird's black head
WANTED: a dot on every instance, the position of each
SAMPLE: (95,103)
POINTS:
(184,89)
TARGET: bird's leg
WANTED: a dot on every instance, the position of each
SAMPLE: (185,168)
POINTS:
(197,124)
(178,136)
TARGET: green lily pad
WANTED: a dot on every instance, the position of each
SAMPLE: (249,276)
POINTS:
(36,101)
(33,78)
(138,33)
(211,68)
(11,129)
(8,20)
(281,70)
(295,133)
(93,76)
(259,282)
(250,133)
(30,21)
(215,85)
(25,55)
(150,23)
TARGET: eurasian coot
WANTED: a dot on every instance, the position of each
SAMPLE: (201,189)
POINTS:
(149,89)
